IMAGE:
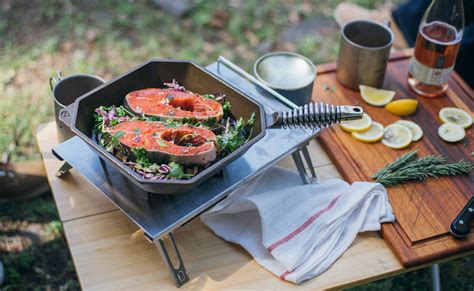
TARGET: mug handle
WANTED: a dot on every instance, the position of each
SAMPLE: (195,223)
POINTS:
(55,79)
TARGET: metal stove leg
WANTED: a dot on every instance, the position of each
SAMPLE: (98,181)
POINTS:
(300,166)
(435,277)
(179,274)
(307,158)
(65,167)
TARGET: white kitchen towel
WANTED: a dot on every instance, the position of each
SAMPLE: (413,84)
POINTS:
(297,231)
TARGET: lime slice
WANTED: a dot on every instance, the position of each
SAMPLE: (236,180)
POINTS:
(397,136)
(456,116)
(451,132)
(373,134)
(359,125)
(376,97)
(402,107)
(415,129)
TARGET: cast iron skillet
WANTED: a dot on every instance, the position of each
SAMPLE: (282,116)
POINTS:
(152,74)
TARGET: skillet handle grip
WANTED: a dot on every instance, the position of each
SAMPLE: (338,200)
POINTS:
(314,116)
(461,226)
(65,114)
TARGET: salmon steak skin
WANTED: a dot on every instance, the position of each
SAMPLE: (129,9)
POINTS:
(169,103)
(184,144)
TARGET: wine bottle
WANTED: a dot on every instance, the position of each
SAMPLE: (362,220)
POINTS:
(436,47)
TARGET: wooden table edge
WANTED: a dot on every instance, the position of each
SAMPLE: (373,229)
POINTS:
(402,271)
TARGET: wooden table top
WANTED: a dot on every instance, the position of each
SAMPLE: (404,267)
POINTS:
(110,252)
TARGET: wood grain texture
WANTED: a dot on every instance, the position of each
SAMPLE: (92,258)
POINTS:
(110,253)
(425,210)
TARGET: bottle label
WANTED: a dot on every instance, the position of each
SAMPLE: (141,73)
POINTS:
(430,76)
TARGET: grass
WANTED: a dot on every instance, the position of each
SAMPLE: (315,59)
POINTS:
(33,248)
(107,38)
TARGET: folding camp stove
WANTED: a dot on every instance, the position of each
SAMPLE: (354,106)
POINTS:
(158,215)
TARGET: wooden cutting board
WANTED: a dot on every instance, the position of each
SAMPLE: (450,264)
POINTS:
(423,210)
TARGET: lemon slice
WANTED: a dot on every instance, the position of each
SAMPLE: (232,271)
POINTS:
(359,125)
(397,136)
(451,132)
(402,107)
(376,97)
(373,134)
(415,129)
(456,116)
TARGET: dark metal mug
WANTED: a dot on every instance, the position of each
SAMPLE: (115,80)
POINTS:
(65,91)
(363,54)
(292,75)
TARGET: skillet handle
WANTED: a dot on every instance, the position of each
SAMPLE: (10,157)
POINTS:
(65,114)
(314,115)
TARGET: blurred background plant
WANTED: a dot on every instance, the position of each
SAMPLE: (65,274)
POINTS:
(108,37)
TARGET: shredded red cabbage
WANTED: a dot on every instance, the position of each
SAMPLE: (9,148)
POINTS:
(175,86)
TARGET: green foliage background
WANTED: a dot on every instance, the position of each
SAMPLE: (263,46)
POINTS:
(107,38)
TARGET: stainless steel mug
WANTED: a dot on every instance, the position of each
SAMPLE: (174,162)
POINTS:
(363,53)
(292,75)
(65,92)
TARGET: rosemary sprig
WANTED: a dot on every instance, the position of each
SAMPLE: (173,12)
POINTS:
(406,169)
(415,172)
(428,161)
(398,163)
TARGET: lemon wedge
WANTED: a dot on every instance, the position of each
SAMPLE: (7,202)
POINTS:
(359,125)
(402,107)
(415,129)
(451,132)
(373,134)
(376,97)
(397,136)
(456,116)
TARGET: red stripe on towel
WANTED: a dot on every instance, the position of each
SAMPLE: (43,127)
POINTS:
(303,226)
(283,275)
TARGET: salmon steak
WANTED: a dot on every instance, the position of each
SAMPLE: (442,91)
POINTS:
(184,144)
(173,104)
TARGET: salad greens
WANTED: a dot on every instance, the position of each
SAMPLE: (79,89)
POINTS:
(235,136)
(176,171)
(155,171)
(230,135)
(107,116)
